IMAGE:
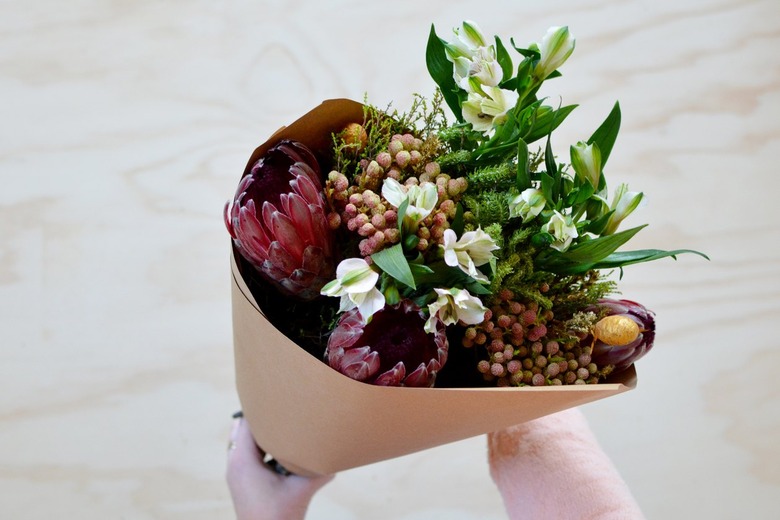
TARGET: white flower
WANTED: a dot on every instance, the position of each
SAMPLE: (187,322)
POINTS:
(487,106)
(422,199)
(472,250)
(586,161)
(557,45)
(455,305)
(355,283)
(527,205)
(482,67)
(472,57)
(624,202)
(468,38)
(563,229)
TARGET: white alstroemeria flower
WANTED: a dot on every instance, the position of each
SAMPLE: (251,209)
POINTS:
(586,161)
(422,199)
(455,305)
(624,202)
(468,38)
(473,58)
(556,47)
(355,283)
(482,67)
(473,249)
(527,205)
(563,229)
(488,107)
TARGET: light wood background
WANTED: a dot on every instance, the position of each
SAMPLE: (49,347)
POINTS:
(124,127)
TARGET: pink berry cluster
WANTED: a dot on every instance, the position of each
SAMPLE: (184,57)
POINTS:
(526,346)
(358,205)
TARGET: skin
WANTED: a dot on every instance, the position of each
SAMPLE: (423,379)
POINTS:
(259,493)
(557,452)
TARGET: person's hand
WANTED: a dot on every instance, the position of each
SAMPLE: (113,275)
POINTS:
(257,491)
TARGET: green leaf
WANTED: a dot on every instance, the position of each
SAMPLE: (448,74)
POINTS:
(599,248)
(547,122)
(585,255)
(598,225)
(443,275)
(458,223)
(523,172)
(393,262)
(579,195)
(420,269)
(542,239)
(605,135)
(477,288)
(441,69)
(623,258)
(503,58)
(547,187)
(528,53)
(524,75)
(401,214)
(552,171)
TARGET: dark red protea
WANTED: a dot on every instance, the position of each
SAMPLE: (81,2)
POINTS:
(277,220)
(624,335)
(391,350)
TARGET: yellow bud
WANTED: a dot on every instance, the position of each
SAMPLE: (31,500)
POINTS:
(355,136)
(616,330)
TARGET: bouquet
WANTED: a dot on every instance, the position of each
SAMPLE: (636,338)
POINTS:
(405,250)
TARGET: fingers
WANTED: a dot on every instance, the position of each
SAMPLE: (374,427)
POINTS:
(244,455)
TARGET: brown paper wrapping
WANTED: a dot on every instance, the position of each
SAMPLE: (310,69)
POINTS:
(314,420)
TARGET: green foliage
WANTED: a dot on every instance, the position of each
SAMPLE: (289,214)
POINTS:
(425,117)
(393,262)
(487,208)
(605,135)
(570,294)
(454,161)
(496,233)
(520,238)
(500,177)
(440,69)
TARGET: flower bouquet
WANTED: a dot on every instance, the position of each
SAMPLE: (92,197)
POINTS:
(401,282)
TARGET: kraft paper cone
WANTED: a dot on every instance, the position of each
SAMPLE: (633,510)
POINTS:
(314,420)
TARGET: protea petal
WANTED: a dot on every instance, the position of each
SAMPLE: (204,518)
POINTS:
(307,189)
(301,218)
(349,329)
(360,363)
(392,377)
(302,169)
(280,258)
(314,260)
(277,220)
(285,233)
(321,229)
(396,335)
(419,377)
(302,277)
(298,153)
(248,228)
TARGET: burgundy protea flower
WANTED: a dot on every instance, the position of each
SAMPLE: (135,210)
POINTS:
(620,342)
(391,350)
(277,220)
